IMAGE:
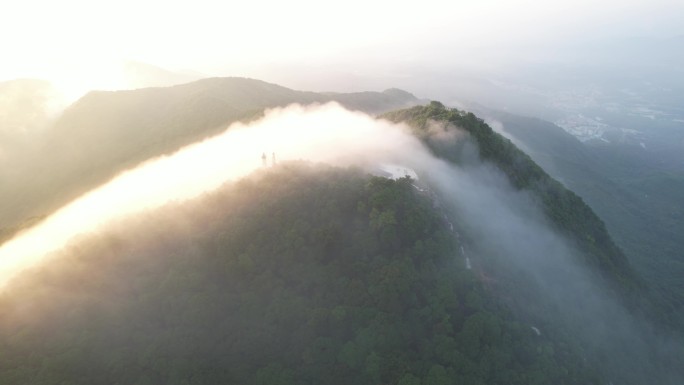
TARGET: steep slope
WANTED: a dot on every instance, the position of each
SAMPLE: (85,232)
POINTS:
(640,204)
(106,132)
(522,287)
(567,211)
(297,275)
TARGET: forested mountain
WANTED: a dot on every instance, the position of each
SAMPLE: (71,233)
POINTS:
(566,210)
(298,274)
(639,200)
(106,132)
(485,270)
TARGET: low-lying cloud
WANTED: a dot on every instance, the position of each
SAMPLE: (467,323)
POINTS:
(504,228)
(325,133)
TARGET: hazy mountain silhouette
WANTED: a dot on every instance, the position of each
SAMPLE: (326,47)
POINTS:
(108,131)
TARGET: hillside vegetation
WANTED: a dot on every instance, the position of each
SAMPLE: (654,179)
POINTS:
(566,210)
(309,274)
(106,132)
(637,195)
(297,275)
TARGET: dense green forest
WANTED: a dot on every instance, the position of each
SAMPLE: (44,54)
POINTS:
(299,274)
(571,217)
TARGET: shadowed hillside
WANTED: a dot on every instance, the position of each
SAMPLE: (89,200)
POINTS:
(640,203)
(566,210)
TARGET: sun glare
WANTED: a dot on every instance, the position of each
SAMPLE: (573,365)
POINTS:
(75,81)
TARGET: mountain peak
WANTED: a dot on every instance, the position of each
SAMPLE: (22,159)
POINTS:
(396,92)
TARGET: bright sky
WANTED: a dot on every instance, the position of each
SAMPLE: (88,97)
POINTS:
(80,43)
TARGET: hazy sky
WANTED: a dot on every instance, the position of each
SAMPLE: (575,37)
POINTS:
(79,42)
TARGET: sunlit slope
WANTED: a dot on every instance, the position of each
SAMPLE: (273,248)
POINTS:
(296,275)
(570,216)
(106,132)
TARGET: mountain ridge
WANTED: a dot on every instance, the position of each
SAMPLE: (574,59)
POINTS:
(563,207)
(637,209)
(105,132)
(310,281)
(300,271)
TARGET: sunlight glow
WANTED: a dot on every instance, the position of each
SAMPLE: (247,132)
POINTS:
(325,133)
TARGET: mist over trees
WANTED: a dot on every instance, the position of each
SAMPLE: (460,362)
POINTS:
(300,274)
(485,270)
(106,132)
(604,301)
(167,218)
